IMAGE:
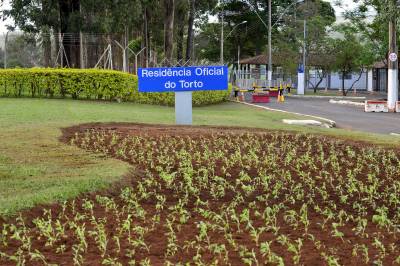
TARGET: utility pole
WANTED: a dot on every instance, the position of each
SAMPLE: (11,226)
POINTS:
(393,62)
(270,42)
(301,75)
(305,55)
(222,39)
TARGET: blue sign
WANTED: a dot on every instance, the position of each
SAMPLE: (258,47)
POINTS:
(300,69)
(173,79)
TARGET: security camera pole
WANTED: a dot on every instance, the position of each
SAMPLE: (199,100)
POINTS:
(393,63)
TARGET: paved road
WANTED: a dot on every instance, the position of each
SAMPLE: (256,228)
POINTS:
(347,117)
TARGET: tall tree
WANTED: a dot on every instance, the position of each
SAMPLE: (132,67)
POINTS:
(69,28)
(190,33)
(169,11)
(181,11)
(36,16)
(352,53)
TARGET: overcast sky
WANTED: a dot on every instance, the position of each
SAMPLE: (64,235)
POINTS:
(347,4)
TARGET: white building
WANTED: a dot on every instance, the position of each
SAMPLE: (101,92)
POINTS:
(334,81)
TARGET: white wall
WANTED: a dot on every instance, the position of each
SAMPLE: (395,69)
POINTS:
(336,81)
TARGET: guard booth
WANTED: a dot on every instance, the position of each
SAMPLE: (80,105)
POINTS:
(251,79)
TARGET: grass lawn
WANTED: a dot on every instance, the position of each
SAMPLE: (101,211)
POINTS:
(35,168)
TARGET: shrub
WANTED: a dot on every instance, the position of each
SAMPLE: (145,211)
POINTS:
(89,84)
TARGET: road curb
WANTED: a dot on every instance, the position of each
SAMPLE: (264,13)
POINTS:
(305,123)
(346,102)
(327,97)
(329,122)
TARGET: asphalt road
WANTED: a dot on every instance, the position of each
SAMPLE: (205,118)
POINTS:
(346,116)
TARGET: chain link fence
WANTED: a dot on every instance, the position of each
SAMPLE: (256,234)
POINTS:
(81,50)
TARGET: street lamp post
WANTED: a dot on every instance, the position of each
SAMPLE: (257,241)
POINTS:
(222,40)
(301,75)
(270,26)
(269,42)
(229,34)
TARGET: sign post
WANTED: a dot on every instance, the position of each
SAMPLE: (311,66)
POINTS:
(183,81)
(183,108)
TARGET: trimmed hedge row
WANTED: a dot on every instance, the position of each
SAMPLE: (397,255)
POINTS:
(89,84)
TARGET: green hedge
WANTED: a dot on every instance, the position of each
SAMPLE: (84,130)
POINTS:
(89,84)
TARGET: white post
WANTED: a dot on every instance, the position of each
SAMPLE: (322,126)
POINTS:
(393,68)
(370,79)
(305,71)
(183,108)
(300,82)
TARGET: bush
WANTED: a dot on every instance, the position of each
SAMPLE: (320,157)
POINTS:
(89,84)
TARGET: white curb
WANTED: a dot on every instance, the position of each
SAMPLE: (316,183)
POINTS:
(345,102)
(328,97)
(302,122)
(395,134)
(329,123)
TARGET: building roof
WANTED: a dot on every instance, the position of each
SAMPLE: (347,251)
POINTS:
(380,64)
(255,60)
(278,59)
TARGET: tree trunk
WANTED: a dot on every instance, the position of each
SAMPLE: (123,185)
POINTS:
(357,80)
(71,38)
(146,36)
(46,42)
(169,11)
(321,78)
(56,43)
(190,35)
(181,18)
(343,90)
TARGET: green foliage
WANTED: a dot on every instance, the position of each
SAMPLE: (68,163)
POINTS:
(89,84)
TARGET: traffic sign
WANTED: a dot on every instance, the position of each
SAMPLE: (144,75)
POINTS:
(393,57)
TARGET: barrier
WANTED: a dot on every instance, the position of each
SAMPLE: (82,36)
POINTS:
(376,106)
(398,107)
(261,93)
(260,98)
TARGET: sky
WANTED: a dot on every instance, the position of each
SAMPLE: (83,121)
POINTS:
(348,4)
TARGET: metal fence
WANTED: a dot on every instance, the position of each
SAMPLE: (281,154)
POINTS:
(81,50)
(245,79)
(108,51)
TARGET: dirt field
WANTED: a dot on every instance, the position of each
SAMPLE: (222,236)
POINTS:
(220,196)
